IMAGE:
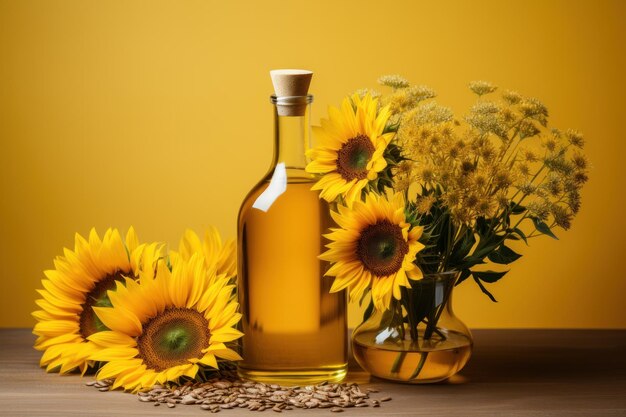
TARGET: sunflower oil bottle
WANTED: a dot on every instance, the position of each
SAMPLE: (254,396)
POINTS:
(294,328)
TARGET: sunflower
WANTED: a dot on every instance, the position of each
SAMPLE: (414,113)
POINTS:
(352,144)
(222,256)
(374,245)
(166,328)
(79,282)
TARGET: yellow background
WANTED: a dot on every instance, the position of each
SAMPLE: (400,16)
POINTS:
(156,114)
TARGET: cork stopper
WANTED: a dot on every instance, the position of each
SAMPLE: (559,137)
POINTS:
(291,83)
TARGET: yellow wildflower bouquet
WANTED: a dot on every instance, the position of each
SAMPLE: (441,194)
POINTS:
(417,192)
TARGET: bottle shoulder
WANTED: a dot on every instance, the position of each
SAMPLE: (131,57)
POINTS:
(281,189)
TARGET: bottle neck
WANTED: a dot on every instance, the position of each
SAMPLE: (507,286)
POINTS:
(291,137)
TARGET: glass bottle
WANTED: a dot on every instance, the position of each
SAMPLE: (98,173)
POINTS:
(294,328)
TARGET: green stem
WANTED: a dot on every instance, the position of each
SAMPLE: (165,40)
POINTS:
(432,323)
(407,299)
(448,250)
(436,330)
(397,322)
(397,363)
(420,365)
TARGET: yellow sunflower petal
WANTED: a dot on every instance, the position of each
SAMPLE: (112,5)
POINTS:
(358,269)
(209,360)
(78,281)
(112,339)
(141,314)
(227,354)
(120,319)
(356,118)
(116,353)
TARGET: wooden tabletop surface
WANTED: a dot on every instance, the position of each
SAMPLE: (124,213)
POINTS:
(511,373)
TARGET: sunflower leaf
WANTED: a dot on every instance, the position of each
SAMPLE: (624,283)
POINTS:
(391,127)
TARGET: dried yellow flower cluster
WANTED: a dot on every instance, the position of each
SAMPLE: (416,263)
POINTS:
(500,155)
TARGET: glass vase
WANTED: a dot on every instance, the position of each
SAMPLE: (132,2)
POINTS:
(418,339)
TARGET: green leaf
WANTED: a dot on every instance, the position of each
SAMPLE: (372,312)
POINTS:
(543,228)
(506,220)
(480,254)
(503,255)
(521,234)
(489,276)
(463,276)
(392,127)
(462,248)
(484,290)
(517,209)
(470,261)
(482,226)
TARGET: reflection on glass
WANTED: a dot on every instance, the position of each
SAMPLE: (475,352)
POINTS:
(277,186)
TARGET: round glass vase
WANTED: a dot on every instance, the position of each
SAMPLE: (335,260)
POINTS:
(418,339)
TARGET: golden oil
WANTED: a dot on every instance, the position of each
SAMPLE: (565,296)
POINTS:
(295,329)
(435,364)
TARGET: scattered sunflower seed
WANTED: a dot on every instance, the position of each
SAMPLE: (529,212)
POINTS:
(229,392)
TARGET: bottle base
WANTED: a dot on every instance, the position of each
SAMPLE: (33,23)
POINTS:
(295,377)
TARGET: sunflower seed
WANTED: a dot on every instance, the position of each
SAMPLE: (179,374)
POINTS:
(229,392)
(188,399)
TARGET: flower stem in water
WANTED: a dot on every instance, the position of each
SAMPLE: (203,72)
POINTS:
(420,365)
(395,368)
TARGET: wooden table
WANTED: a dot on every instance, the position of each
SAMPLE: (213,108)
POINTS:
(511,373)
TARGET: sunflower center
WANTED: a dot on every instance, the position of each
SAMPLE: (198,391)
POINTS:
(381,248)
(89,323)
(173,337)
(353,157)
